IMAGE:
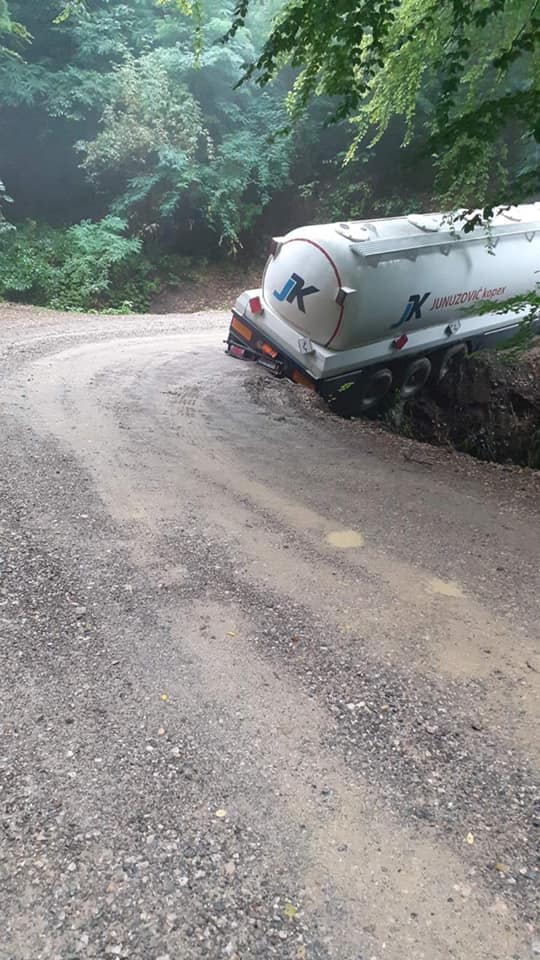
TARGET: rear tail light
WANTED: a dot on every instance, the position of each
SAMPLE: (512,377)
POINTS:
(255,305)
(237,352)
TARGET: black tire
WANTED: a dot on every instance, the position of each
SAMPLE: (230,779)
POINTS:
(373,388)
(447,358)
(414,377)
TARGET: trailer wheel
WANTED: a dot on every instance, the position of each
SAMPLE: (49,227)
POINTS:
(373,388)
(414,377)
(447,358)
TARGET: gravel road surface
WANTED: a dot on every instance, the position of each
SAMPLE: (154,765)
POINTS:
(268,679)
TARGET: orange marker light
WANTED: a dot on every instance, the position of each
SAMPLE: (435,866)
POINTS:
(241,328)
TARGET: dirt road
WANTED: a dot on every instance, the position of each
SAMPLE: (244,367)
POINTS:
(268,680)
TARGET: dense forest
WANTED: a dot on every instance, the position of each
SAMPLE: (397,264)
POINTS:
(139,137)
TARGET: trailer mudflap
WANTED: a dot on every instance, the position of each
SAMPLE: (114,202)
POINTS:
(246,342)
(332,386)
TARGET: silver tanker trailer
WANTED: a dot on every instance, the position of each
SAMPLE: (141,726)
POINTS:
(374,304)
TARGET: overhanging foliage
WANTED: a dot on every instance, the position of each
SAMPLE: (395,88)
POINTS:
(462,75)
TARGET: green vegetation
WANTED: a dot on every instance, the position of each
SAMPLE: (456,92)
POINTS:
(132,134)
(84,266)
(460,77)
(115,109)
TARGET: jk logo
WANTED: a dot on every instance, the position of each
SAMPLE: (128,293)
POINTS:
(413,310)
(294,289)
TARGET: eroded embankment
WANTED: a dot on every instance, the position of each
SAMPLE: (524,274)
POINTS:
(487,406)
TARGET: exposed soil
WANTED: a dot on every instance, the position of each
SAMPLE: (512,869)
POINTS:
(485,406)
(215,286)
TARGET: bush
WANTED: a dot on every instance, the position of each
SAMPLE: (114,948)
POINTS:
(89,266)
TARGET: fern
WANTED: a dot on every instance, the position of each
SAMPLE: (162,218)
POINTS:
(88,266)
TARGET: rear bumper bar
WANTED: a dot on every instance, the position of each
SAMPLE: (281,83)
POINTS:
(247,342)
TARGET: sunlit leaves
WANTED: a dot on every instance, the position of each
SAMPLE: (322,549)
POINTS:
(459,74)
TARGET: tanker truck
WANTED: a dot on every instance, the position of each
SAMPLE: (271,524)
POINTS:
(358,308)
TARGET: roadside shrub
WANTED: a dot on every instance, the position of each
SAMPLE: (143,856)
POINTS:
(89,266)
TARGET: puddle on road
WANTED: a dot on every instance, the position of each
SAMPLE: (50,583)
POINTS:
(345,539)
(446,588)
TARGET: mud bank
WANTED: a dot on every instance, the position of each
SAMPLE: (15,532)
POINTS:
(487,406)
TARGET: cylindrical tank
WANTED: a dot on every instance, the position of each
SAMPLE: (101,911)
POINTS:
(345,285)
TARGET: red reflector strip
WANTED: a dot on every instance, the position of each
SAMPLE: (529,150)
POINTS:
(241,328)
(255,305)
(237,352)
(400,342)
